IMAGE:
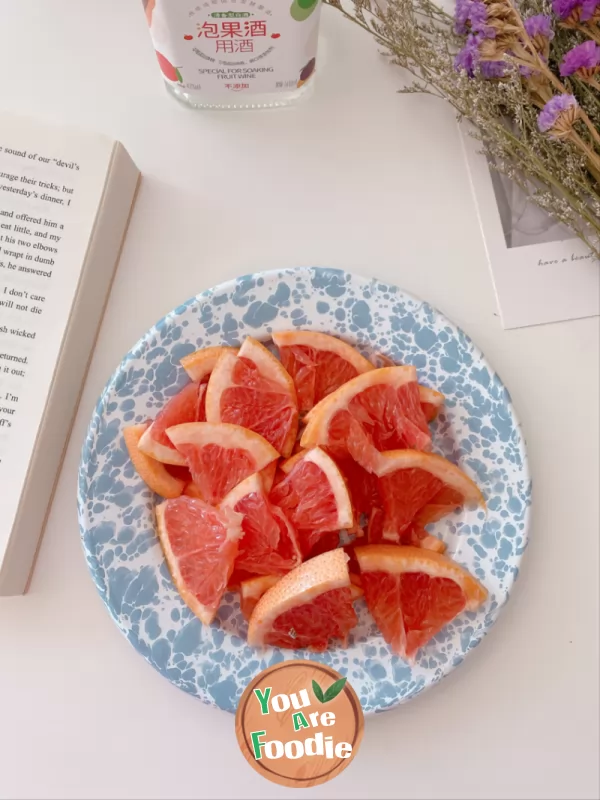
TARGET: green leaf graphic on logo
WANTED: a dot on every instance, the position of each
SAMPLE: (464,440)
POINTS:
(331,693)
(318,692)
(179,78)
(334,689)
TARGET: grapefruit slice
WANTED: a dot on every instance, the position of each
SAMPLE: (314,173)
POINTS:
(318,364)
(307,607)
(431,402)
(446,500)
(362,485)
(200,544)
(201,363)
(420,538)
(268,476)
(269,545)
(186,406)
(418,487)
(193,490)
(323,542)
(286,465)
(154,474)
(416,535)
(412,593)
(252,590)
(379,410)
(253,390)
(220,456)
(314,497)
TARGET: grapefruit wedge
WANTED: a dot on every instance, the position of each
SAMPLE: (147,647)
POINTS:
(186,406)
(431,402)
(379,410)
(254,390)
(269,545)
(318,364)
(314,497)
(413,593)
(154,474)
(416,488)
(200,544)
(362,485)
(307,607)
(252,589)
(201,363)
(416,535)
(220,456)
(268,476)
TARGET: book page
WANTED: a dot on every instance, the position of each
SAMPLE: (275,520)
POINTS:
(51,183)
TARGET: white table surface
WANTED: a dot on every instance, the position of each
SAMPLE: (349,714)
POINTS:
(359,178)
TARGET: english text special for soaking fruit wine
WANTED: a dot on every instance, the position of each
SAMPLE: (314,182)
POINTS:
(235,53)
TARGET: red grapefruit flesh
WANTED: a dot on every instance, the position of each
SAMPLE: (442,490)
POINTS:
(404,493)
(417,488)
(442,503)
(220,456)
(318,363)
(307,607)
(377,411)
(314,498)
(269,545)
(253,390)
(312,625)
(413,593)
(200,544)
(323,542)
(186,406)
(362,485)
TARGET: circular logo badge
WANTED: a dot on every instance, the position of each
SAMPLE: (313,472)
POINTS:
(299,723)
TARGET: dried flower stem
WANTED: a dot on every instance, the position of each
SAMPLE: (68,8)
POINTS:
(593,157)
(593,82)
(590,32)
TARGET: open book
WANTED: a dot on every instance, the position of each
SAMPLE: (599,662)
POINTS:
(65,201)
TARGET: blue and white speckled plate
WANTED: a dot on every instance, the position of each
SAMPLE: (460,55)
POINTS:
(478,430)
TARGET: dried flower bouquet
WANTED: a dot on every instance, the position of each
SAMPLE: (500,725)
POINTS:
(524,72)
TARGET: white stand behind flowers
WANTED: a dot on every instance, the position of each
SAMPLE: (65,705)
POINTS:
(541,273)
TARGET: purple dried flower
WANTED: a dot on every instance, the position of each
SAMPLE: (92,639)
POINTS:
(589,8)
(462,16)
(539,25)
(468,58)
(479,20)
(584,56)
(558,115)
(493,69)
(471,16)
(564,8)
